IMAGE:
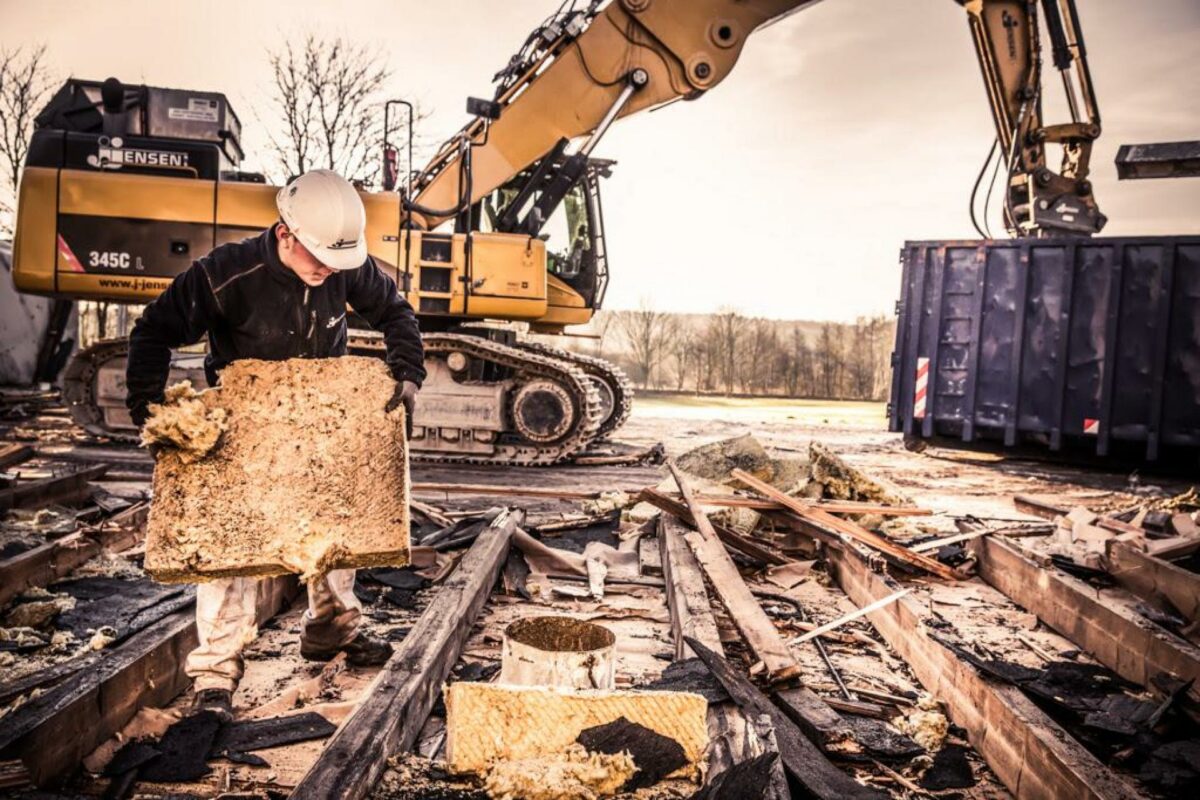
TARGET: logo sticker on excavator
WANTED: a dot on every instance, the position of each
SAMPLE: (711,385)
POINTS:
(69,260)
(112,154)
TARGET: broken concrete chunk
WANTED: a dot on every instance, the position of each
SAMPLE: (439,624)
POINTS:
(844,482)
(716,461)
(487,723)
(311,474)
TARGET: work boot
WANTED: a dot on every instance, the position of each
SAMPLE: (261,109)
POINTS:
(218,701)
(361,651)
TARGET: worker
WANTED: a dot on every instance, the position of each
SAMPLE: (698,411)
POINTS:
(281,294)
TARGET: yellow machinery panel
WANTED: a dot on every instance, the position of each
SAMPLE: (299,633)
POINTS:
(37,225)
(123,237)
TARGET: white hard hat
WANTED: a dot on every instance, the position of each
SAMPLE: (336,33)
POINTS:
(323,210)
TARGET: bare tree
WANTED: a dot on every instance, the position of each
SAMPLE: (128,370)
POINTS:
(24,88)
(647,332)
(727,328)
(328,94)
(684,348)
(602,325)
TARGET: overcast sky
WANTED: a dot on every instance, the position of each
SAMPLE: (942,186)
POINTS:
(786,192)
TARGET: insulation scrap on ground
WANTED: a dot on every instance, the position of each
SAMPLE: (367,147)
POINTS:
(574,774)
(841,481)
(926,724)
(310,474)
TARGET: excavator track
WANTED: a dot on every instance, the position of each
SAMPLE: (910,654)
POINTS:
(80,387)
(510,448)
(618,404)
(93,388)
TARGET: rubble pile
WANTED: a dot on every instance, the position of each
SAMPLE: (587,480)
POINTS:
(737,624)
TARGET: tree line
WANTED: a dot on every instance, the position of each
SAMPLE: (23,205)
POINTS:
(731,353)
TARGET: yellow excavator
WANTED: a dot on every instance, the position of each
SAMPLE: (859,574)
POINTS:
(124,186)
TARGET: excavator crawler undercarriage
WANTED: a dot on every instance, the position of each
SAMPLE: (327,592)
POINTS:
(483,401)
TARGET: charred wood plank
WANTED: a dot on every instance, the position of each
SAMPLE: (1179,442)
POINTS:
(1030,753)
(12,454)
(47,563)
(63,489)
(752,622)
(801,758)
(854,531)
(1037,507)
(816,718)
(832,506)
(53,732)
(687,600)
(1097,622)
(729,538)
(552,492)
(399,701)
(1154,579)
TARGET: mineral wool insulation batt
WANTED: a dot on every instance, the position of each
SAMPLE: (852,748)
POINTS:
(308,474)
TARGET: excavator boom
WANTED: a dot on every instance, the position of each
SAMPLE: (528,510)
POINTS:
(583,78)
(1038,201)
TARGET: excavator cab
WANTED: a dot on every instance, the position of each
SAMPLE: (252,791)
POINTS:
(573,234)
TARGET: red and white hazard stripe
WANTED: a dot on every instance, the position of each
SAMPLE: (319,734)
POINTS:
(1091,426)
(922,388)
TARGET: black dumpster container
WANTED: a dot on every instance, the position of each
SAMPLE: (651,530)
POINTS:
(1085,348)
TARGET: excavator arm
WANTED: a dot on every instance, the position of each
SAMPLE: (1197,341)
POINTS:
(583,69)
(574,77)
(1038,201)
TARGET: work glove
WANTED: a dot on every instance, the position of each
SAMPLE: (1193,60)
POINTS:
(406,394)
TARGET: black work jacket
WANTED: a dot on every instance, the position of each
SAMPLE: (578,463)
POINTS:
(252,306)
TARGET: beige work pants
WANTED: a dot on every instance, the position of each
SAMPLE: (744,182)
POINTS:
(226,620)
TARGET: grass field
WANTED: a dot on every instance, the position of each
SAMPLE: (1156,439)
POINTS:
(842,413)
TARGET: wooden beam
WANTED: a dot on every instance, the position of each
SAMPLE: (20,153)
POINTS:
(433,513)
(44,564)
(1174,547)
(1097,621)
(12,454)
(731,538)
(1037,507)
(51,733)
(397,704)
(63,489)
(925,547)
(1153,578)
(515,491)
(816,718)
(752,622)
(1028,752)
(687,601)
(856,532)
(832,506)
(801,758)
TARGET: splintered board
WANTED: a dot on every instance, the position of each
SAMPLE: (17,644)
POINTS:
(309,474)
